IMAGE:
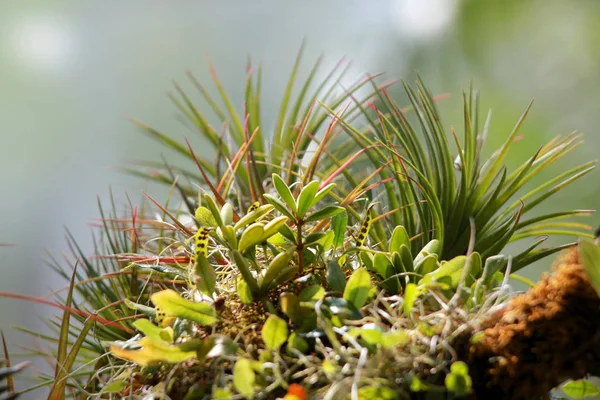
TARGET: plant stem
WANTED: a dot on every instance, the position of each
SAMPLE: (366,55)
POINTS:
(300,246)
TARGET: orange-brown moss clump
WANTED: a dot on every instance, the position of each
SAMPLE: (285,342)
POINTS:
(541,338)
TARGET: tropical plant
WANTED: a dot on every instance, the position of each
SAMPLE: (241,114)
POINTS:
(342,253)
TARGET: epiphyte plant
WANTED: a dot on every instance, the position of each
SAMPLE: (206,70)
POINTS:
(343,253)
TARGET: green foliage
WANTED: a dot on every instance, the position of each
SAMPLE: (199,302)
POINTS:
(580,389)
(349,267)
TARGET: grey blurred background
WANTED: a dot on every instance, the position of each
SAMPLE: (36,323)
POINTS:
(71,71)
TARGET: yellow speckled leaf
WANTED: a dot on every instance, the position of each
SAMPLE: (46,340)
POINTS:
(152,352)
(171,304)
(364,229)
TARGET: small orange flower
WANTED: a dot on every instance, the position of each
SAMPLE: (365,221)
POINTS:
(295,392)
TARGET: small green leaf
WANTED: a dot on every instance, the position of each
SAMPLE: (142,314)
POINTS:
(149,329)
(342,308)
(251,236)
(273,227)
(381,264)
(214,210)
(460,368)
(279,205)
(244,378)
(228,234)
(205,217)
(253,216)
(277,265)
(152,352)
(243,291)
(312,292)
(427,264)
(451,270)
(284,192)
(433,247)
(297,343)
(290,304)
(274,332)
(227,214)
(149,311)
(371,336)
(326,212)
(580,389)
(306,198)
(326,242)
(411,292)
(393,339)
(407,259)
(222,393)
(399,237)
(205,274)
(357,288)
(322,193)
(314,238)
(416,385)
(458,380)
(589,253)
(335,276)
(244,269)
(172,304)
(115,387)
(285,275)
(377,393)
(339,223)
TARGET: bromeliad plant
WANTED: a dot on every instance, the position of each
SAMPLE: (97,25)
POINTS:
(339,256)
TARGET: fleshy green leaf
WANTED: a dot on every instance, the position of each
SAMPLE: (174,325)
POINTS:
(289,304)
(284,192)
(323,213)
(339,223)
(580,389)
(377,393)
(274,332)
(335,276)
(312,292)
(399,237)
(205,217)
(244,378)
(306,198)
(393,339)
(276,266)
(152,331)
(251,236)
(172,304)
(253,216)
(322,193)
(206,276)
(243,291)
(273,227)
(152,352)
(357,288)
(244,269)
(278,204)
(458,380)
(411,292)
(297,343)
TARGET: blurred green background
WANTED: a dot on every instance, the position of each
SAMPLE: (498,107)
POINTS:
(71,71)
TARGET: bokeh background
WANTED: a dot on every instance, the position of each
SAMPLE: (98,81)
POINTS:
(72,71)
